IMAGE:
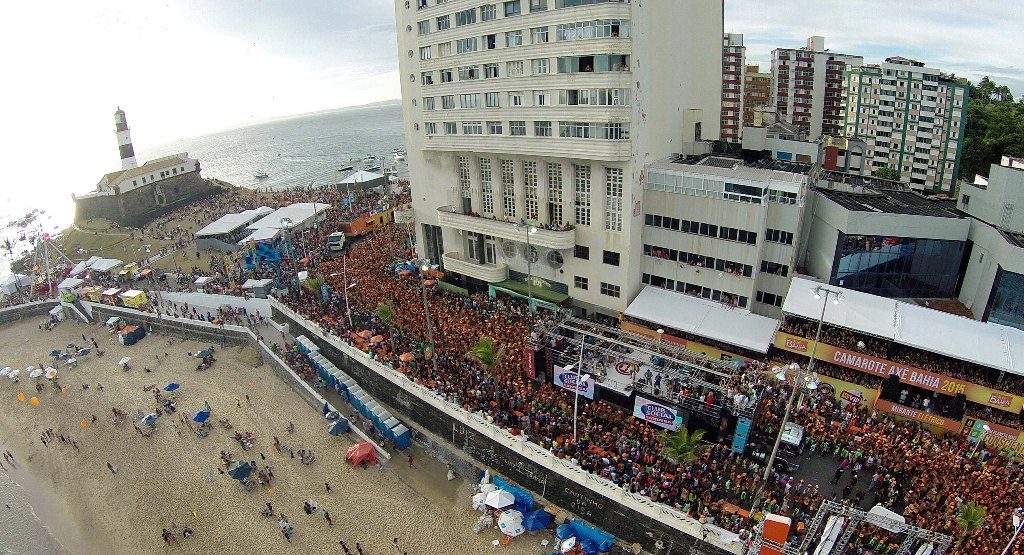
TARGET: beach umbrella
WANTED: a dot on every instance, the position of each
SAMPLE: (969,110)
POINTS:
(83,352)
(201,416)
(376,339)
(6,370)
(13,374)
(240,470)
(536,520)
(511,523)
(171,387)
(34,401)
(148,420)
(70,346)
(365,334)
(51,373)
(55,353)
(406,357)
(35,373)
(204,353)
(499,499)
(338,427)
(124,361)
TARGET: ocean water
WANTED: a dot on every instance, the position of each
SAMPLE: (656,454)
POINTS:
(293,151)
(25,529)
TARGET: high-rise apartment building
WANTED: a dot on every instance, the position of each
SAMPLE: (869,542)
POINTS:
(912,118)
(757,92)
(734,58)
(528,124)
(808,85)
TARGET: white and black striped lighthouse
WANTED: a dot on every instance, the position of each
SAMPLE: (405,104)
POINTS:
(124,140)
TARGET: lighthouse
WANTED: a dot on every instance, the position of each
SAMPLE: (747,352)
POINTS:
(124,140)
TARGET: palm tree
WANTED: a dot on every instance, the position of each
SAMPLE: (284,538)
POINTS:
(385,310)
(488,355)
(969,518)
(682,446)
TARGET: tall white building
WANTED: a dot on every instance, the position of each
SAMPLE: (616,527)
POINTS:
(734,65)
(808,85)
(913,119)
(545,113)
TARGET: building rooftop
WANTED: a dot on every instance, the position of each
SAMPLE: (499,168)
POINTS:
(763,168)
(893,202)
(231,222)
(114,178)
(290,216)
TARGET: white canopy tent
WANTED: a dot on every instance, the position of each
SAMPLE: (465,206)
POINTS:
(14,282)
(987,344)
(704,317)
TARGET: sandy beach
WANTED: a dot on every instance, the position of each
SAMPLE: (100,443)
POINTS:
(173,475)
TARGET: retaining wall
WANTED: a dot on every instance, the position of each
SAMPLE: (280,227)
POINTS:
(32,309)
(631,517)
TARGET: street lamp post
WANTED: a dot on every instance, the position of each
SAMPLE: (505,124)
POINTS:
(984,432)
(580,380)
(426,311)
(530,230)
(1018,525)
(809,380)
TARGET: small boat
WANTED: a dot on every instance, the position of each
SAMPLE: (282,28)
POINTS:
(399,155)
(371,163)
(346,168)
(260,174)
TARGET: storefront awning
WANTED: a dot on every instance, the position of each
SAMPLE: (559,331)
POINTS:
(710,319)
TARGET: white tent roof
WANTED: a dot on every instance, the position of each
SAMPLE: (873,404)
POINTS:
(70,283)
(262,234)
(111,291)
(705,318)
(132,293)
(361,176)
(992,345)
(252,283)
(202,280)
(104,264)
(230,222)
(298,213)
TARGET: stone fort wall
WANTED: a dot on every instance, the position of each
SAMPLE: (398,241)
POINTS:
(140,206)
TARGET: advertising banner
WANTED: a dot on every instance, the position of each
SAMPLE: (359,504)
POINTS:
(847,393)
(566,379)
(657,413)
(692,346)
(908,374)
(739,439)
(918,415)
(998,436)
(530,364)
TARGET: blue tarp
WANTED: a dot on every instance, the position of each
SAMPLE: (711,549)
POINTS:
(524,499)
(598,540)
(537,520)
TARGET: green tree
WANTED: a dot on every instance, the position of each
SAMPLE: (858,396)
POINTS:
(385,311)
(682,446)
(892,174)
(486,354)
(969,517)
(994,128)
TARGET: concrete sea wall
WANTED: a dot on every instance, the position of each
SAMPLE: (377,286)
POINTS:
(27,310)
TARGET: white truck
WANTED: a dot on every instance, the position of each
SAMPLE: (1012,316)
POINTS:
(336,241)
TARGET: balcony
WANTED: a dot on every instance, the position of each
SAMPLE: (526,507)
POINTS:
(447,216)
(491,273)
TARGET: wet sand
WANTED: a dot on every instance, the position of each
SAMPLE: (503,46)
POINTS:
(172,477)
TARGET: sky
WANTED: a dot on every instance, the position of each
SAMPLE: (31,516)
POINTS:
(183,68)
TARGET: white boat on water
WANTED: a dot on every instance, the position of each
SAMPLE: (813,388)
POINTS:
(399,155)
(372,163)
(260,174)
(347,168)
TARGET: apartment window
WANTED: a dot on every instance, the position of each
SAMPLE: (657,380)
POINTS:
(486,192)
(469,100)
(427,77)
(541,98)
(492,100)
(488,12)
(597,63)
(538,5)
(469,73)
(444,49)
(466,45)
(580,282)
(431,128)
(490,71)
(609,289)
(542,128)
(424,53)
(517,128)
(513,38)
(599,29)
(465,17)
(581,181)
(428,103)
(613,199)
(538,35)
(774,268)
(494,128)
(513,8)
(530,188)
(777,236)
(508,187)
(450,128)
(444,22)
(472,128)
(610,257)
(446,75)
(540,66)
(514,69)
(448,102)
(515,99)
(555,194)
(490,41)
(424,27)
(582,252)
(464,184)
(769,298)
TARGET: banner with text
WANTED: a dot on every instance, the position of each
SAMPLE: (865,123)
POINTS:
(692,346)
(921,416)
(925,379)
(998,436)
(530,363)
(657,413)
(566,379)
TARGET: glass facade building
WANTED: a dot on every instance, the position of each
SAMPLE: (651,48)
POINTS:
(1006,305)
(897,267)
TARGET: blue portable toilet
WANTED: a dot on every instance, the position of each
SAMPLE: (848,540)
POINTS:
(402,439)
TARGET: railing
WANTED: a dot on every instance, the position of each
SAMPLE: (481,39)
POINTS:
(548,238)
(491,273)
(535,453)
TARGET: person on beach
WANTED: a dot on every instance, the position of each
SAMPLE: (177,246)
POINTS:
(327,486)
(327,517)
